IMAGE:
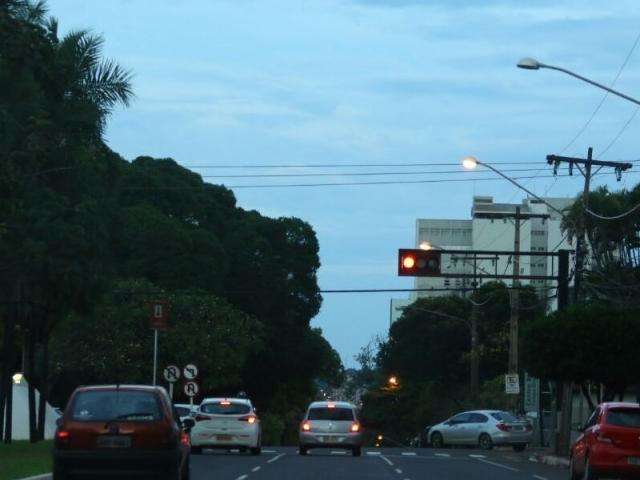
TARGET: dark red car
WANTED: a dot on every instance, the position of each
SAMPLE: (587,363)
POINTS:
(120,431)
(609,445)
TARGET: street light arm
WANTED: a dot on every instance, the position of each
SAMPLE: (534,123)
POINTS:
(596,84)
(521,187)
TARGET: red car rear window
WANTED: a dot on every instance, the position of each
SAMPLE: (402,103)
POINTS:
(108,405)
(628,417)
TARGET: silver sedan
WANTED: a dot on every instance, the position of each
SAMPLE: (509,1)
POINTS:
(484,428)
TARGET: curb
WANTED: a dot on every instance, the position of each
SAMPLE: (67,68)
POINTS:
(552,460)
(43,476)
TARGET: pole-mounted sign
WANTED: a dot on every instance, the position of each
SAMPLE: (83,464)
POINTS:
(190,372)
(191,389)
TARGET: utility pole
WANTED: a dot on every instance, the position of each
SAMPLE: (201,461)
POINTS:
(585,166)
(515,306)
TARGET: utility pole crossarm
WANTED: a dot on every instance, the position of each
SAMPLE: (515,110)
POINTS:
(551,159)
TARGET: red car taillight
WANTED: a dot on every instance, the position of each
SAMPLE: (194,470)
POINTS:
(355,427)
(249,419)
(185,439)
(503,427)
(306,426)
(62,438)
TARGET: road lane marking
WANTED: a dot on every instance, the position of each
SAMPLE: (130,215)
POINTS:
(338,452)
(398,471)
(255,469)
(374,453)
(242,477)
(275,459)
(477,456)
(409,454)
(506,467)
(443,455)
(540,478)
(389,462)
(269,451)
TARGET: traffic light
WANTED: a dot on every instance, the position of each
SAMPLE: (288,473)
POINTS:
(418,263)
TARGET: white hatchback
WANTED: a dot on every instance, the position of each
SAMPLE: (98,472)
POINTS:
(227,423)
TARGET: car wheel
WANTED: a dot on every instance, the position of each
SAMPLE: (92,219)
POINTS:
(520,447)
(436,440)
(589,474)
(485,442)
(572,469)
(196,450)
(303,450)
(357,451)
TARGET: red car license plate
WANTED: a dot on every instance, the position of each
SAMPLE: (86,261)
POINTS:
(114,441)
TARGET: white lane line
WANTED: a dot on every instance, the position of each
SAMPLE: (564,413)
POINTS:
(269,451)
(275,459)
(409,454)
(443,455)
(44,476)
(374,453)
(242,477)
(477,456)
(338,452)
(255,469)
(389,462)
(398,471)
(506,467)
(540,478)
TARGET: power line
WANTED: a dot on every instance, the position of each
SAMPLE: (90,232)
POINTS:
(620,132)
(344,165)
(604,97)
(615,217)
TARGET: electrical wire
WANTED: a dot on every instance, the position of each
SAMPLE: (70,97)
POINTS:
(344,165)
(620,132)
(615,217)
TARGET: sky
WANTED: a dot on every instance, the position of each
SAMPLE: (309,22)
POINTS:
(302,82)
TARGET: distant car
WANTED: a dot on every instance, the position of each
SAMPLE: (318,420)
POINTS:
(226,423)
(185,410)
(120,431)
(331,425)
(484,428)
(609,444)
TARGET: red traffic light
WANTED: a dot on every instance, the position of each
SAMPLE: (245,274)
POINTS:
(418,263)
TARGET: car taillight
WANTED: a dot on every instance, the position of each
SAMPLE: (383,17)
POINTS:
(249,419)
(355,427)
(200,418)
(306,426)
(185,439)
(503,427)
(62,437)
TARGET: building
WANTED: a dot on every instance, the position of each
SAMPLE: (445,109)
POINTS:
(492,227)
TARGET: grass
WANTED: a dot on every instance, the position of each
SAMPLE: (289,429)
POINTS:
(23,459)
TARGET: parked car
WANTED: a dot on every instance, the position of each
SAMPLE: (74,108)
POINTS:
(609,443)
(331,425)
(226,423)
(120,431)
(484,428)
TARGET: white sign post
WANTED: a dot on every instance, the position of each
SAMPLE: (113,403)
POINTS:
(171,375)
(191,389)
(512,384)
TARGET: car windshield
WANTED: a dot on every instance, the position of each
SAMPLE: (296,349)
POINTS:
(125,405)
(504,417)
(624,418)
(225,408)
(338,414)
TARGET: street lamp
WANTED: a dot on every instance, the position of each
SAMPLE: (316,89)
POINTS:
(425,246)
(533,64)
(471,163)
(393,381)
(17,378)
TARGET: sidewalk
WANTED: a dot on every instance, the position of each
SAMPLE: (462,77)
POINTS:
(549,458)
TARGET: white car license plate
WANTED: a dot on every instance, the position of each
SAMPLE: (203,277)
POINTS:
(114,441)
(634,460)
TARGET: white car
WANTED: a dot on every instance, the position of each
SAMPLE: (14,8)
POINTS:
(227,423)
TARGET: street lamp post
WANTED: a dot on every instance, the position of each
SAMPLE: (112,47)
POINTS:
(533,64)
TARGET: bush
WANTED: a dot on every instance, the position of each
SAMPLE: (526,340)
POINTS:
(272,430)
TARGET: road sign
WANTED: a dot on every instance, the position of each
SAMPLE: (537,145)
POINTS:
(171,374)
(512,384)
(531,393)
(190,372)
(191,389)
(159,317)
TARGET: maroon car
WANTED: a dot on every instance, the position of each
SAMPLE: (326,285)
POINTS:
(120,431)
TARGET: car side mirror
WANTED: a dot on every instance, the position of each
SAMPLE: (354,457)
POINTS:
(188,423)
(59,422)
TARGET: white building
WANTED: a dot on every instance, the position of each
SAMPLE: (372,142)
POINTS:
(492,227)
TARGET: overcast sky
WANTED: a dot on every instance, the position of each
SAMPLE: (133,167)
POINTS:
(245,82)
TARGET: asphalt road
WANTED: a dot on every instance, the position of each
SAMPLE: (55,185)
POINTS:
(284,463)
